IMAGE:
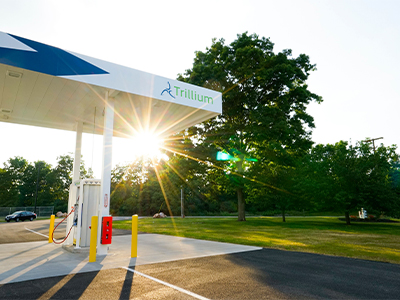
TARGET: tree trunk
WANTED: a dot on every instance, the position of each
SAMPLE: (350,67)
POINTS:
(241,205)
(347,218)
(283,215)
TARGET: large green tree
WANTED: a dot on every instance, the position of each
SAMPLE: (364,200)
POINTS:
(265,96)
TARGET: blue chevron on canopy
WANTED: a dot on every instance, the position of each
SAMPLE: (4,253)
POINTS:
(47,59)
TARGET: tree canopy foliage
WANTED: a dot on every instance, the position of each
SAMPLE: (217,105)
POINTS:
(337,178)
(19,178)
(342,177)
(265,97)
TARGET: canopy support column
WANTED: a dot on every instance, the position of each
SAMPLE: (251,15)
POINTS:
(104,205)
(78,151)
(76,171)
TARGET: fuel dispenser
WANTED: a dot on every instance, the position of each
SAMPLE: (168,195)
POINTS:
(84,200)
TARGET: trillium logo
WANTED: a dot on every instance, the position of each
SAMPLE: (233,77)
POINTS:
(168,90)
(185,93)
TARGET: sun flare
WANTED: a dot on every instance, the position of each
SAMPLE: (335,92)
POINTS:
(147,144)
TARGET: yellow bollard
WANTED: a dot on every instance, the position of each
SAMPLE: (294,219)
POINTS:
(93,239)
(134,236)
(51,228)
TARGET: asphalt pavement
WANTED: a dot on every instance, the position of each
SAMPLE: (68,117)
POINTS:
(262,274)
(178,268)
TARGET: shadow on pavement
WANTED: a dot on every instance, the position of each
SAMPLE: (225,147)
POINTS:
(305,275)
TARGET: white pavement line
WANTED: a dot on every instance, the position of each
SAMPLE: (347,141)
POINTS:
(167,284)
(37,232)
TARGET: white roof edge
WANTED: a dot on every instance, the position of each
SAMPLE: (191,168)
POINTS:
(27,54)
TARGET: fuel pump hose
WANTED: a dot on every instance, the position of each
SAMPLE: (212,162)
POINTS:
(52,234)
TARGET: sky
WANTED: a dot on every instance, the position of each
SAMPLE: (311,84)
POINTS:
(354,44)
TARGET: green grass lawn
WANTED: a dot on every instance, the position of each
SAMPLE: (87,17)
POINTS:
(323,235)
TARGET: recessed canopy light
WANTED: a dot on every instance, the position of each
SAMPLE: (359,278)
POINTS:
(14,74)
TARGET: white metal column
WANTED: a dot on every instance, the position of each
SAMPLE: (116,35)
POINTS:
(75,176)
(78,150)
(104,206)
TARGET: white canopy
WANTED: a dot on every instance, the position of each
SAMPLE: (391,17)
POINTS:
(45,86)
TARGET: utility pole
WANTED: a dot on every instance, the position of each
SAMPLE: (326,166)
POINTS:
(182,205)
(373,141)
(37,185)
